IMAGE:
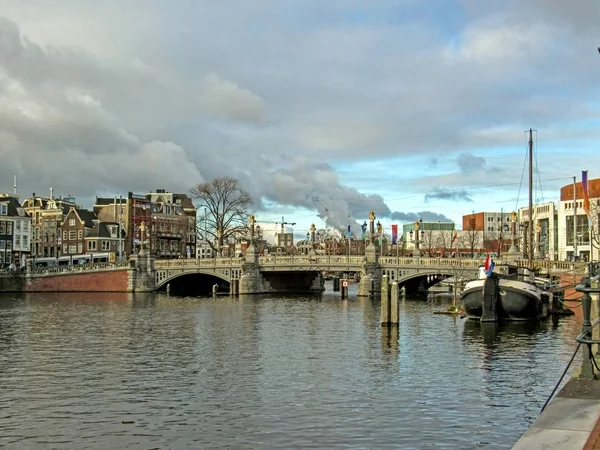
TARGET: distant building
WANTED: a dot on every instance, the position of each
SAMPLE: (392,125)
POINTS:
(15,232)
(76,226)
(204,250)
(104,238)
(47,215)
(572,232)
(169,220)
(173,225)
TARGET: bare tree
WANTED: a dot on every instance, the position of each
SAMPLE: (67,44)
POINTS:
(472,237)
(226,204)
(429,242)
(447,241)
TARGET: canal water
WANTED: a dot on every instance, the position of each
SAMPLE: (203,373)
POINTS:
(102,371)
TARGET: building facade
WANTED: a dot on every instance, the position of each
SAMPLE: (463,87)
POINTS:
(78,223)
(575,231)
(15,232)
(47,215)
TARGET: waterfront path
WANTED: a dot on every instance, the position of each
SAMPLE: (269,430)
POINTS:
(571,421)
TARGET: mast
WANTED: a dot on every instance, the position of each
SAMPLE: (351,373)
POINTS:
(530,223)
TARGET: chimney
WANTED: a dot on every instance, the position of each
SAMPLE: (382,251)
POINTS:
(51,193)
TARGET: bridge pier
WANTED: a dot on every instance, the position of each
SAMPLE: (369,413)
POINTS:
(141,274)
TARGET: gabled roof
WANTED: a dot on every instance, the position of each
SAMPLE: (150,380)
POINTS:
(87,216)
(14,207)
(101,230)
(186,202)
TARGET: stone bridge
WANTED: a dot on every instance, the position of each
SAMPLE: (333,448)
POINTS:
(254,275)
(305,273)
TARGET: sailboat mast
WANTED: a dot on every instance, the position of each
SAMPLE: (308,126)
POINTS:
(530,223)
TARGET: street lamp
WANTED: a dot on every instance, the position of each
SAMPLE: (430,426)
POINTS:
(513,250)
(418,238)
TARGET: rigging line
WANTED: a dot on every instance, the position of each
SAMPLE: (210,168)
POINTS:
(537,167)
(521,183)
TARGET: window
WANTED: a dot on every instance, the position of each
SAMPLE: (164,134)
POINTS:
(71,222)
(105,245)
(26,226)
(2,244)
(9,228)
(25,242)
(72,249)
(80,234)
(3,209)
(46,223)
(91,245)
(72,235)
(2,227)
(17,226)
(64,248)
(45,237)
(64,235)
(80,248)
(17,241)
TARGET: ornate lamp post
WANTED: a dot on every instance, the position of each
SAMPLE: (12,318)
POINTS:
(514,249)
(372,227)
(418,238)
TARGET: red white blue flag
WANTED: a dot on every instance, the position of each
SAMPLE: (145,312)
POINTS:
(489,265)
(394,234)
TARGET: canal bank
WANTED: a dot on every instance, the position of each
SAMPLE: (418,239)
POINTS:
(571,421)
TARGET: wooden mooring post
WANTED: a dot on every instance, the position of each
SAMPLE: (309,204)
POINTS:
(390,307)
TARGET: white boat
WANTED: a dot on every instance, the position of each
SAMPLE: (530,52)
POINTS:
(509,293)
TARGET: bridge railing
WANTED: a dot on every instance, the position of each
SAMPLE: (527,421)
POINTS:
(310,259)
(79,268)
(430,262)
(332,260)
(206,262)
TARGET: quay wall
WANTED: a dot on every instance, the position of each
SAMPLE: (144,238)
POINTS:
(11,283)
(102,281)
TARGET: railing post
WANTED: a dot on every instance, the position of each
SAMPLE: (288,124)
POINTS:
(587,370)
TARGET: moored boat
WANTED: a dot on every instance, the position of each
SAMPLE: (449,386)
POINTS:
(508,293)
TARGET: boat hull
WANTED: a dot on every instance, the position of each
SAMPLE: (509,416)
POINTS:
(516,300)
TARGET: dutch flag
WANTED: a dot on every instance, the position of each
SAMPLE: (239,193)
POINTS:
(489,265)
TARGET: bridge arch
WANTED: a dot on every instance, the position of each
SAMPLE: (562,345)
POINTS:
(163,277)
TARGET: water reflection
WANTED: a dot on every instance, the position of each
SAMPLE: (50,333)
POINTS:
(266,372)
(493,333)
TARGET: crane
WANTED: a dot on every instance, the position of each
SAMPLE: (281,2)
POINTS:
(283,223)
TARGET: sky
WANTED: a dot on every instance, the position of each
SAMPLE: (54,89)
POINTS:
(323,110)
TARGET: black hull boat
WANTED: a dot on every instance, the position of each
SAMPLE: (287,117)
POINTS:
(507,294)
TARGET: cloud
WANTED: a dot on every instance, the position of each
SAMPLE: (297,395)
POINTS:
(284,101)
(441,193)
(427,216)
(226,99)
(469,163)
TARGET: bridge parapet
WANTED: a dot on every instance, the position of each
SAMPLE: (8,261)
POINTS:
(79,268)
(274,260)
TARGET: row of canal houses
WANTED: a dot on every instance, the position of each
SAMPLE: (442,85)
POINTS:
(43,227)
(49,227)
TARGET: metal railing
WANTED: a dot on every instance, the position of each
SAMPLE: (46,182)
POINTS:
(589,365)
